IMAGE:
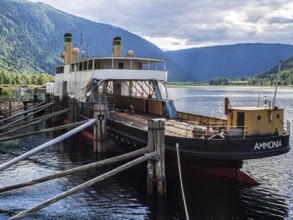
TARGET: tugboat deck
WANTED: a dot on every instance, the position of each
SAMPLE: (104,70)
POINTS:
(140,120)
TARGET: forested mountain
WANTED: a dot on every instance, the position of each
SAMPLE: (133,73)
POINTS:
(231,61)
(286,73)
(31,38)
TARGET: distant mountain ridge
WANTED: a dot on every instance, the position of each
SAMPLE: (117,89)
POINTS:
(31,39)
(231,61)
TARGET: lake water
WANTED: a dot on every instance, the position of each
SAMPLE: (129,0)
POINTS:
(124,197)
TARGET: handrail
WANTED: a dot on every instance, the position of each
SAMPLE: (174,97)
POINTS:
(287,124)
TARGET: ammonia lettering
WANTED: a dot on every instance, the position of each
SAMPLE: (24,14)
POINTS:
(268,145)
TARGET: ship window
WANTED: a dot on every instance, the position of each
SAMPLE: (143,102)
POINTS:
(60,69)
(71,68)
(90,64)
(97,64)
(120,65)
(258,117)
(80,67)
(85,65)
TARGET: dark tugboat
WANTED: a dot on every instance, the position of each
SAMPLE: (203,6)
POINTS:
(134,90)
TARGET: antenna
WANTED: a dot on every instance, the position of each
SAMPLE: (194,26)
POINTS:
(81,47)
(277,82)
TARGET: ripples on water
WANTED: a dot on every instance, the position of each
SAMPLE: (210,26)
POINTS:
(124,197)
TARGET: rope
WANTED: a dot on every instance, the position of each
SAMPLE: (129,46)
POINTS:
(181,183)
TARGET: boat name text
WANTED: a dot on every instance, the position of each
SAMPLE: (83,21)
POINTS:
(268,145)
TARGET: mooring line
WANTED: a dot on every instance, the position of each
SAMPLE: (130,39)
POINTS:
(85,185)
(41,108)
(23,112)
(181,183)
(46,145)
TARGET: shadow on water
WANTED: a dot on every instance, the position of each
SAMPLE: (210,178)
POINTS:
(124,196)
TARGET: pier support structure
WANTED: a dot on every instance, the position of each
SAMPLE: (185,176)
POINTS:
(48,100)
(73,111)
(54,108)
(156,167)
(99,128)
(36,91)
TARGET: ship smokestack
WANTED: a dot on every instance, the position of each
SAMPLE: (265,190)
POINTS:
(67,48)
(117,47)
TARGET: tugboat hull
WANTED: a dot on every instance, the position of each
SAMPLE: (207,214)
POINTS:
(204,150)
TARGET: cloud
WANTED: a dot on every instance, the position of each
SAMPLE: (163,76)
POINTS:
(189,23)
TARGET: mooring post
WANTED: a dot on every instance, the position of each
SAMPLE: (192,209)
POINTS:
(99,128)
(156,167)
(10,108)
(47,100)
(72,109)
(25,107)
(35,95)
(54,108)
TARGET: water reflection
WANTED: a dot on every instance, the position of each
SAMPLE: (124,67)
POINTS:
(124,196)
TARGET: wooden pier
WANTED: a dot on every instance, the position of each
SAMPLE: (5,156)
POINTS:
(154,153)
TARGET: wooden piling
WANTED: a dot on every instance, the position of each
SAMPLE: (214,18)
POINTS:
(156,167)
(10,107)
(54,100)
(47,100)
(25,108)
(72,103)
(99,129)
(35,95)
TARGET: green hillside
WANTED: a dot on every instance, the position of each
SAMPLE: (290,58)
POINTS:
(286,73)
(23,30)
(31,39)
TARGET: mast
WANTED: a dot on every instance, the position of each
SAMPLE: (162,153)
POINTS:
(81,47)
(276,88)
(277,82)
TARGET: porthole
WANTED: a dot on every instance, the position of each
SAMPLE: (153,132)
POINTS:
(258,117)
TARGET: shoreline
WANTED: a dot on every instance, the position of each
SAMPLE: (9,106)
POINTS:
(227,86)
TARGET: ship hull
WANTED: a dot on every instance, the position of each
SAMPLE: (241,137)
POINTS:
(215,152)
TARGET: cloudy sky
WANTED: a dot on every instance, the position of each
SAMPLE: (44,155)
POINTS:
(173,25)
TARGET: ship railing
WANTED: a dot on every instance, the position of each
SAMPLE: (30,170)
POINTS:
(286,127)
(213,131)
(239,131)
(199,130)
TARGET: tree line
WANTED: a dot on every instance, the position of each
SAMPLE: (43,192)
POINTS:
(25,78)
(268,79)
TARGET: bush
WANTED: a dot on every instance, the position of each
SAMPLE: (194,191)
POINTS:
(6,92)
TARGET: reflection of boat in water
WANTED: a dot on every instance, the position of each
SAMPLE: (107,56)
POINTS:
(133,90)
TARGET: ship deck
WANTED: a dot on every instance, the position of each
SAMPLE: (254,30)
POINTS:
(140,120)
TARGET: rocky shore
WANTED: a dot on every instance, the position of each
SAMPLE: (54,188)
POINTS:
(6,106)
